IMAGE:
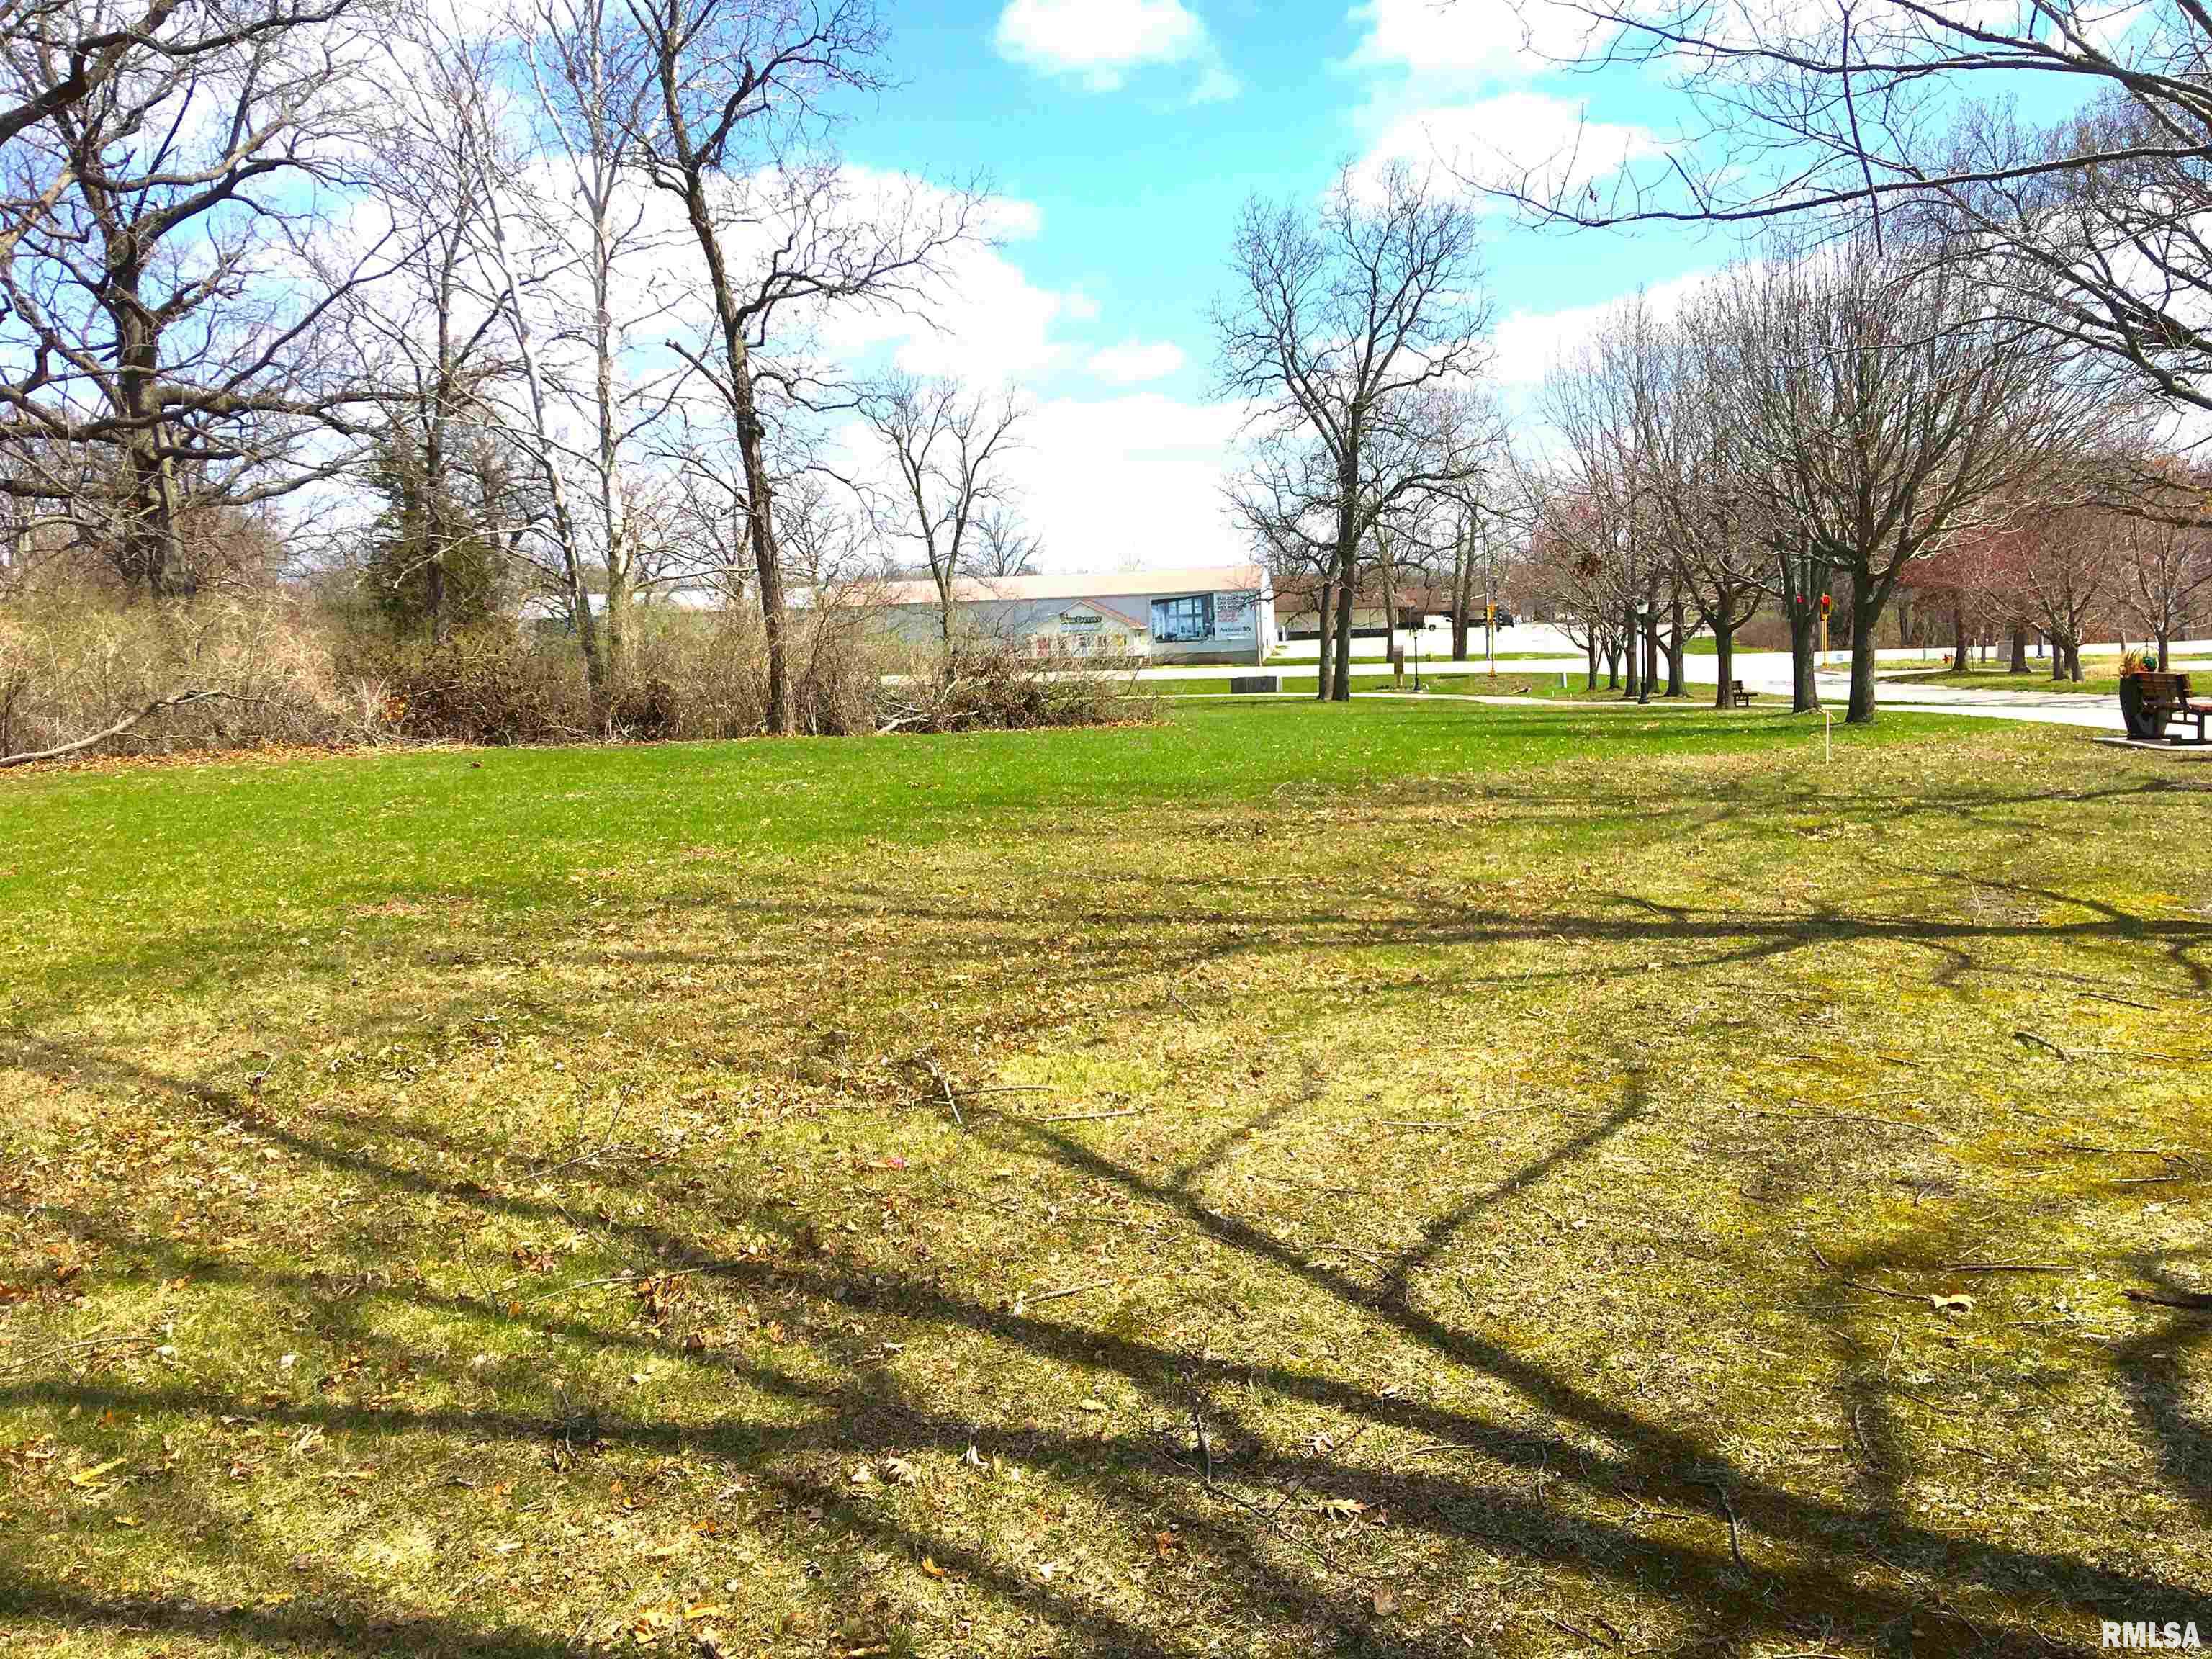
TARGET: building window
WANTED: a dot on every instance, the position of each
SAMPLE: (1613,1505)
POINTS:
(1181,621)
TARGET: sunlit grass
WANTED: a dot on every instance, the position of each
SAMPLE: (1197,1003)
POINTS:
(508,1201)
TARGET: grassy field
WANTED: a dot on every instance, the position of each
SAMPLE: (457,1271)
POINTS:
(1401,1178)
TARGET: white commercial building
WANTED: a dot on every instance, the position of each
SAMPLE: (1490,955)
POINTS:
(1209,613)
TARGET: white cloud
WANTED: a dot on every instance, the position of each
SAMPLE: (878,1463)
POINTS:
(1216,85)
(1133,362)
(1471,43)
(1529,342)
(1101,41)
(986,322)
(1522,139)
(1107,480)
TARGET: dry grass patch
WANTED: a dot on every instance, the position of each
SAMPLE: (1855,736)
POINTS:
(1414,1180)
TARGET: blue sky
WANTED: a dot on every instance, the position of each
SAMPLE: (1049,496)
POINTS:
(1123,135)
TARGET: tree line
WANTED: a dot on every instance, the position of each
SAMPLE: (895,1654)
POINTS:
(556,290)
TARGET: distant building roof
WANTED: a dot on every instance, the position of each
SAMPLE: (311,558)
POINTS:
(1081,585)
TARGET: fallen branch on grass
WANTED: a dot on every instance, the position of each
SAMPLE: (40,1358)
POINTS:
(614,1122)
(2189,1301)
(180,700)
(633,1278)
(2009,1267)
(26,1361)
(1935,1135)
(1072,1289)
(1860,1285)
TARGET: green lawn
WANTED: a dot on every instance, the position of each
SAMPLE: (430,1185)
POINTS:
(1401,1179)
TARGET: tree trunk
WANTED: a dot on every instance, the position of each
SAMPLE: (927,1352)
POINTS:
(1797,609)
(149,557)
(1959,648)
(1462,586)
(1865,613)
(2165,649)
(1632,639)
(2019,649)
(572,567)
(1723,662)
(1593,660)
(1676,640)
(1325,609)
(2073,659)
(1347,582)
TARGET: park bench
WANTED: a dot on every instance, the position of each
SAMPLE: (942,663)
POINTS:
(1738,696)
(2166,701)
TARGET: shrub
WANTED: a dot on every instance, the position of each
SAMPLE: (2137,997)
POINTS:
(488,686)
(73,661)
(999,689)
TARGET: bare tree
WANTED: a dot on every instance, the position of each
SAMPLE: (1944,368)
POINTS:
(1574,557)
(1892,410)
(2064,565)
(1340,322)
(1003,545)
(431,334)
(2166,560)
(2090,226)
(160,293)
(746,89)
(1705,515)
(947,448)
(1285,498)
(593,91)
(1603,402)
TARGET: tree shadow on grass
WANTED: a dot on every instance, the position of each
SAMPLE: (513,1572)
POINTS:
(1806,1561)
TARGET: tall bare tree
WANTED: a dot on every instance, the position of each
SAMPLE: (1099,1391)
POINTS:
(947,448)
(748,90)
(1893,411)
(1285,499)
(1703,511)
(2089,225)
(2165,564)
(593,90)
(162,298)
(1340,322)
(1603,401)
